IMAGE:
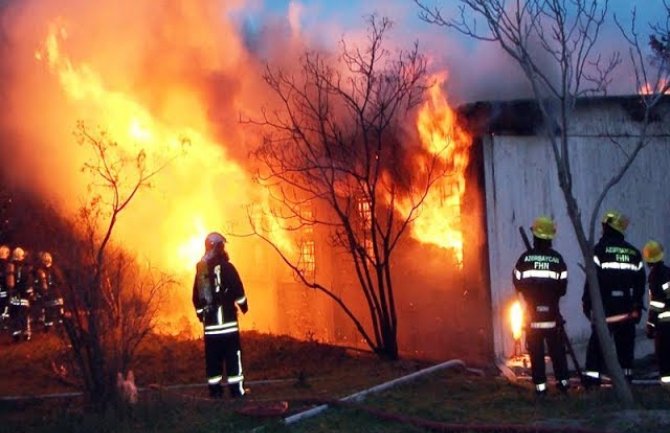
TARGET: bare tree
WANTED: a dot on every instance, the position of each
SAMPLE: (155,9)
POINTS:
(660,40)
(111,303)
(566,33)
(337,159)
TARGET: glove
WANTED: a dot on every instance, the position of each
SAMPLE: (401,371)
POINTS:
(244,307)
(650,331)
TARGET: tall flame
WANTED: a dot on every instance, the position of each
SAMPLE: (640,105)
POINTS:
(516,319)
(439,222)
(193,195)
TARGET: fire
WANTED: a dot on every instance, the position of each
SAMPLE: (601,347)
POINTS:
(192,249)
(516,319)
(439,222)
(203,189)
(662,86)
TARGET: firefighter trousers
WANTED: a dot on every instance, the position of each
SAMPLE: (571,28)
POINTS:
(19,319)
(4,308)
(663,350)
(623,334)
(220,349)
(53,312)
(535,339)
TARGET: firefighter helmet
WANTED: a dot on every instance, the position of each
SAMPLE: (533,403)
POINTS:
(213,240)
(18,254)
(4,252)
(46,259)
(544,228)
(652,252)
(616,220)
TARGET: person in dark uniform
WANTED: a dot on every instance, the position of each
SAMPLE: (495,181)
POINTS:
(4,294)
(658,321)
(621,277)
(540,277)
(48,281)
(218,293)
(20,288)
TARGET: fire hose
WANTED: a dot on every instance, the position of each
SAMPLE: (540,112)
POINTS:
(353,402)
(448,427)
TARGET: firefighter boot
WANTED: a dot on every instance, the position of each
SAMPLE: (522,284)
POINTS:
(215,391)
(590,382)
(237,392)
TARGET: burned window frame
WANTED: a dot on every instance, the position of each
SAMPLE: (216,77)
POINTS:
(307,244)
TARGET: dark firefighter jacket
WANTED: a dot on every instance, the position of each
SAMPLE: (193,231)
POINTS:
(48,282)
(621,277)
(218,311)
(659,294)
(20,281)
(4,265)
(541,276)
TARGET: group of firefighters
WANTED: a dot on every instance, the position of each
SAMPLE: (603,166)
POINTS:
(29,292)
(540,277)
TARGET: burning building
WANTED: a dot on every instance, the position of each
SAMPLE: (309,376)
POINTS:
(177,86)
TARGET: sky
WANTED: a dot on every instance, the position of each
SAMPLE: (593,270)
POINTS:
(467,60)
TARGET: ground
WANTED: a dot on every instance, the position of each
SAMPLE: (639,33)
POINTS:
(169,372)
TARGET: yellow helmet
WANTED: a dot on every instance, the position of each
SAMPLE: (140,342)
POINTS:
(4,252)
(652,252)
(616,220)
(18,254)
(543,227)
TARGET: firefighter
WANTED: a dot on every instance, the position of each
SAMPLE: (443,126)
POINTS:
(621,277)
(218,293)
(540,277)
(4,297)
(37,300)
(20,288)
(658,321)
(48,284)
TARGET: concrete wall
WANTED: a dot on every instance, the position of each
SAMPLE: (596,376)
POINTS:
(521,183)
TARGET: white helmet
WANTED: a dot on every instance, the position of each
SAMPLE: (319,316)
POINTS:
(18,254)
(214,239)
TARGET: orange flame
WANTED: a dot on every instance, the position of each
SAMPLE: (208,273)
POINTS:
(185,203)
(662,86)
(439,221)
(516,319)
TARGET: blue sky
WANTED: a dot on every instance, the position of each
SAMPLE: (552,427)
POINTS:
(349,12)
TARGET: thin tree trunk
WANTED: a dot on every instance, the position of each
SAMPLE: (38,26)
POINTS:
(605,341)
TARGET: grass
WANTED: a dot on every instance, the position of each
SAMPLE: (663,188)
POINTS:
(453,397)
(308,371)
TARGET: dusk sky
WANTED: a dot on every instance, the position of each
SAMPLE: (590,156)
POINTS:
(329,21)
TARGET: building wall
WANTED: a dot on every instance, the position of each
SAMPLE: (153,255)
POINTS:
(521,183)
